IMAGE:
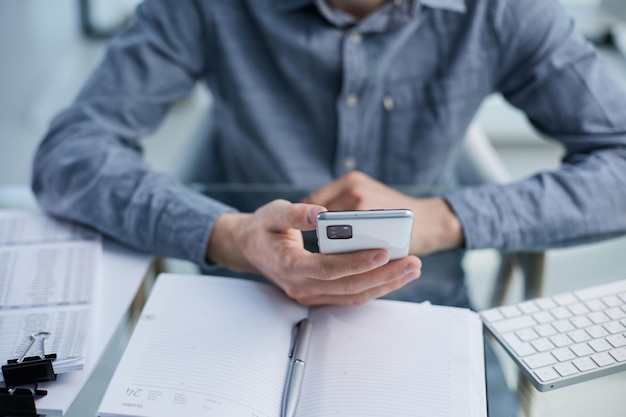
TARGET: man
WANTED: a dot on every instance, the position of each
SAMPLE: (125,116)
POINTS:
(342,97)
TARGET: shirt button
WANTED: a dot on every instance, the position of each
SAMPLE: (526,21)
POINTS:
(388,103)
(356,38)
(352,100)
(349,163)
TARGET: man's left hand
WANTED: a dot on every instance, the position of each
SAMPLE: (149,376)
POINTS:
(435,226)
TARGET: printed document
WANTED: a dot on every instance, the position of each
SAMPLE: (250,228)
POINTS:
(48,272)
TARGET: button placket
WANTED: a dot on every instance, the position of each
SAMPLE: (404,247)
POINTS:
(356,38)
(388,103)
(352,100)
(349,164)
(349,108)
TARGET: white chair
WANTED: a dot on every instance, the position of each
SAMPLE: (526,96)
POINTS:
(478,163)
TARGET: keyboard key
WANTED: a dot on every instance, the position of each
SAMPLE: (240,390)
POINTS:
(603,359)
(578,309)
(561,313)
(584,364)
(565,299)
(512,339)
(492,315)
(545,303)
(542,345)
(617,340)
(545,330)
(527,335)
(614,327)
(563,355)
(612,301)
(543,317)
(528,307)
(581,350)
(622,296)
(524,349)
(539,360)
(566,369)
(615,313)
(516,323)
(580,322)
(619,354)
(597,332)
(600,345)
(510,311)
(595,305)
(598,317)
(563,326)
(546,374)
(561,340)
(579,336)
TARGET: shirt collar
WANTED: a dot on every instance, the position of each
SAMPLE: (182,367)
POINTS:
(289,5)
(452,5)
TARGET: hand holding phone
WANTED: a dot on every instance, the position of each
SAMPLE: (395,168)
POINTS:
(349,231)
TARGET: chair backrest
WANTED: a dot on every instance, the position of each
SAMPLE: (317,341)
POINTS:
(478,161)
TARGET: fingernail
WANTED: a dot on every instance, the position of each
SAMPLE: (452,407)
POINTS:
(311,215)
(411,269)
(412,273)
(380,259)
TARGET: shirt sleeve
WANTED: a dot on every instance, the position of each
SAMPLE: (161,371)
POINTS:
(547,70)
(89,166)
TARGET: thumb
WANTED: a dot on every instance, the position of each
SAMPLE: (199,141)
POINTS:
(281,215)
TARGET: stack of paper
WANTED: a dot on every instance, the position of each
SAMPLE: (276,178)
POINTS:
(48,272)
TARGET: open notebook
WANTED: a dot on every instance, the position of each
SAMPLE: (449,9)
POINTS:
(210,346)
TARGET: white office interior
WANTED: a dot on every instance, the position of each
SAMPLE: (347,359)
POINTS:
(46,55)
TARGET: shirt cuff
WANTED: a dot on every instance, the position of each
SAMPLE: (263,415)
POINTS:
(186,225)
(485,217)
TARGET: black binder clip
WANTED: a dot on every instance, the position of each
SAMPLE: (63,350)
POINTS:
(26,370)
(19,402)
(32,369)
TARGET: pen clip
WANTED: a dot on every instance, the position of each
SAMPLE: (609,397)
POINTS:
(294,338)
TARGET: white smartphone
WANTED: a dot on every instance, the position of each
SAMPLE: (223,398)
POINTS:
(349,231)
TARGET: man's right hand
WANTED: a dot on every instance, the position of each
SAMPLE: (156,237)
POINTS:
(269,242)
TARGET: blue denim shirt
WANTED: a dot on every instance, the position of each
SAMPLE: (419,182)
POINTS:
(304,93)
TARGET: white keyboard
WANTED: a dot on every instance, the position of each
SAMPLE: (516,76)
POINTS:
(567,338)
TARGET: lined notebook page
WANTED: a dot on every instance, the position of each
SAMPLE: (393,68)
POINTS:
(178,363)
(387,358)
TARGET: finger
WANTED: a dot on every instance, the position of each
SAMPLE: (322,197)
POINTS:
(360,283)
(280,215)
(330,267)
(363,297)
(356,284)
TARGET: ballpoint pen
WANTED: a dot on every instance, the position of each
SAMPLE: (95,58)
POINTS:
(295,373)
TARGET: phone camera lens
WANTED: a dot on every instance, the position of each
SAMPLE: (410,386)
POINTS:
(342,231)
